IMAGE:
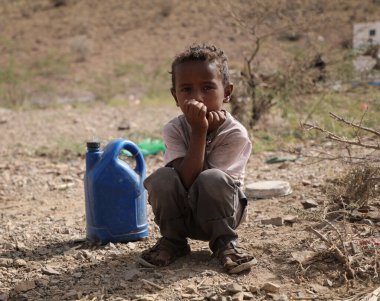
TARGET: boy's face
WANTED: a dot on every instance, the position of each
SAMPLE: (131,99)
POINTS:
(201,81)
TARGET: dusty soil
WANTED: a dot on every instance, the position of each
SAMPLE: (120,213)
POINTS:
(88,50)
(43,252)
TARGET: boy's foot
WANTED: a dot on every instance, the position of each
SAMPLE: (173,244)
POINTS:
(235,259)
(163,253)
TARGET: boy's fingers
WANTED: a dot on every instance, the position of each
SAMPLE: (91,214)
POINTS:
(196,109)
(215,116)
(202,109)
(222,115)
(210,117)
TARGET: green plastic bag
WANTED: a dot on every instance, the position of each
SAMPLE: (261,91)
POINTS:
(151,147)
(148,147)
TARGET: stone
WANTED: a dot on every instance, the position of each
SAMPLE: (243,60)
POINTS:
(327,282)
(303,256)
(291,219)
(132,274)
(248,296)
(309,203)
(191,289)
(20,262)
(70,294)
(87,254)
(212,297)
(364,63)
(234,288)
(42,282)
(49,271)
(131,245)
(271,287)
(276,221)
(77,275)
(254,289)
(238,296)
(280,298)
(267,189)
(187,296)
(24,286)
(300,294)
(5,262)
(20,246)
(4,297)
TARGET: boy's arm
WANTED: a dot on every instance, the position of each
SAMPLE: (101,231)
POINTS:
(190,166)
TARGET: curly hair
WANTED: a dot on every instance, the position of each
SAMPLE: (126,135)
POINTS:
(203,52)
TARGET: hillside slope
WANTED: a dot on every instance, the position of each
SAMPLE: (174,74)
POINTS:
(102,49)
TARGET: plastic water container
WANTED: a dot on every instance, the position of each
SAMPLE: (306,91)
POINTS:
(114,193)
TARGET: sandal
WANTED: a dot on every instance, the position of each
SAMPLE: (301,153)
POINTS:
(235,259)
(163,253)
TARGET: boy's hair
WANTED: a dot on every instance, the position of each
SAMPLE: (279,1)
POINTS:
(203,52)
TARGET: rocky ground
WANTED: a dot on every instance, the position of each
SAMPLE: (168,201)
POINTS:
(56,52)
(44,254)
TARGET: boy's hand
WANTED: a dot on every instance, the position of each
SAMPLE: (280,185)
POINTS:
(215,119)
(195,113)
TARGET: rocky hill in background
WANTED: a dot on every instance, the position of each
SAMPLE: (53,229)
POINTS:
(68,50)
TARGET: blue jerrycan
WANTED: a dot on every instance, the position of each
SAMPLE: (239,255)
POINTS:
(114,193)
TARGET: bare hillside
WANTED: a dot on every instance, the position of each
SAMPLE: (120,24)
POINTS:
(86,49)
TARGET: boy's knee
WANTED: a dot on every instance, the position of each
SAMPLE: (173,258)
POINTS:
(213,178)
(162,177)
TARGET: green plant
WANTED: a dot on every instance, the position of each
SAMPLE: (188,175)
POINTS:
(135,71)
(19,83)
(61,150)
(11,80)
(105,87)
(51,65)
(159,81)
(355,189)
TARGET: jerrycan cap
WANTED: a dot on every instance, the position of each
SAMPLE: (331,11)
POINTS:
(93,145)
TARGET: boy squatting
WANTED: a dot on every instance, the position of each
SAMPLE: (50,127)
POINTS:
(198,193)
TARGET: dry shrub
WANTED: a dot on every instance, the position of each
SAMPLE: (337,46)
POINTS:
(357,188)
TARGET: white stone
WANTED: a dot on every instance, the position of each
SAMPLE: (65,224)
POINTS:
(267,189)
(234,288)
(49,271)
(271,287)
(238,297)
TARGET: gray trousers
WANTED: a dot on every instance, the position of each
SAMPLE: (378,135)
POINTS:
(210,210)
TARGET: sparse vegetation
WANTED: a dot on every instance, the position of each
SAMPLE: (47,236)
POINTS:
(357,189)
(292,63)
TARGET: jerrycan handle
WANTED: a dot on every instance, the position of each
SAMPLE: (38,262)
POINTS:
(136,153)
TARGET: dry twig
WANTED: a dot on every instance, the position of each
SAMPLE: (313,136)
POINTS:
(342,258)
(335,137)
(332,136)
(358,126)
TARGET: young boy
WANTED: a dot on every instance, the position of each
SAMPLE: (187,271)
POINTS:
(198,193)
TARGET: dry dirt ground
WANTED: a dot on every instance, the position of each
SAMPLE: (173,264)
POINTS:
(88,49)
(44,255)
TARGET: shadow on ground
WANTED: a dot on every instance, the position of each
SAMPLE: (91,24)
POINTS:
(98,272)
